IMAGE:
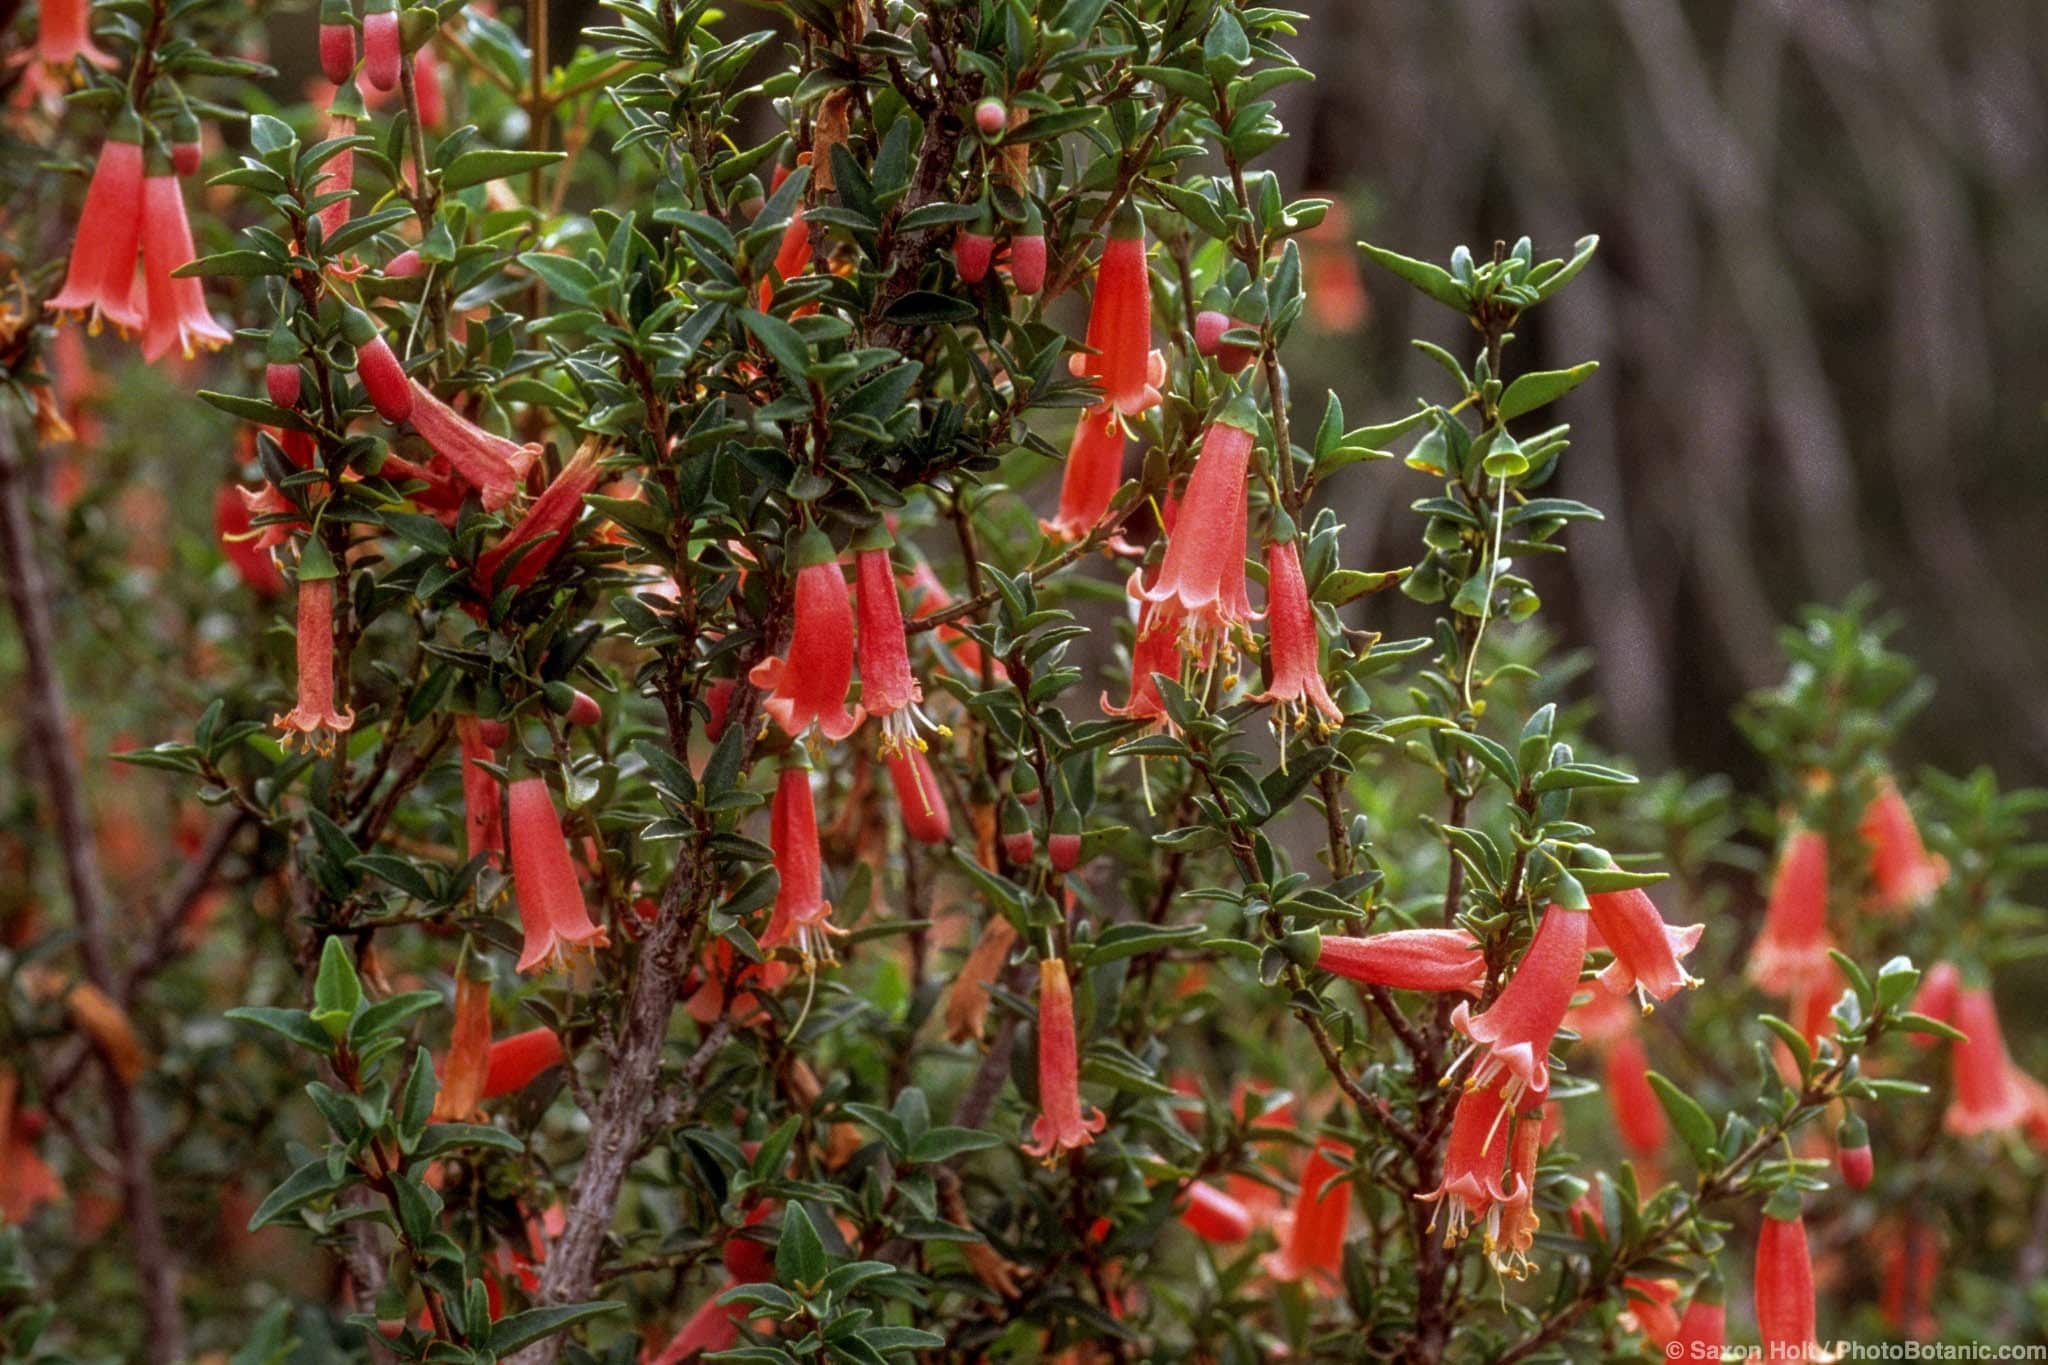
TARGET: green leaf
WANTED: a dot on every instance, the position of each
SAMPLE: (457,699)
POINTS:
(1131,940)
(1691,1121)
(1567,775)
(1532,391)
(942,1144)
(781,341)
(336,990)
(799,1256)
(311,1181)
(448,1137)
(1432,280)
(1491,756)
(490,163)
(523,1329)
(297,1025)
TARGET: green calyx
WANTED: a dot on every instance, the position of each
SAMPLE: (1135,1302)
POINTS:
(347,103)
(1128,224)
(876,537)
(813,548)
(283,346)
(1240,412)
(358,327)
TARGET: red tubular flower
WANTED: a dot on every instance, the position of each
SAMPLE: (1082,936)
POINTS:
(928,596)
(1511,1224)
(1293,642)
(551,907)
(1474,1157)
(1120,320)
(1408,960)
(1638,1115)
(1214,1216)
(545,527)
(1902,871)
(469,1052)
(99,282)
(482,816)
(64,34)
(314,720)
(808,687)
(1703,1331)
(792,254)
(339,174)
(1646,949)
(1911,1258)
(383,378)
(1312,1241)
(337,41)
(1154,649)
(26,1180)
(426,85)
(925,817)
(1515,1032)
(177,307)
(1792,950)
(1784,1289)
(1986,1100)
(238,543)
(888,689)
(514,1062)
(713,1327)
(381,49)
(1936,998)
(1063,1124)
(1650,1306)
(494,466)
(1091,476)
(1202,574)
(802,914)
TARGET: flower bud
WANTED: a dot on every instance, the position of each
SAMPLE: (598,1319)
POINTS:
(1852,1153)
(1063,846)
(337,41)
(1018,842)
(991,117)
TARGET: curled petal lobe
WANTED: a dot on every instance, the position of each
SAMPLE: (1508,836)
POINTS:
(1515,1032)
(807,687)
(315,720)
(1063,1124)
(177,306)
(1646,950)
(99,280)
(1293,641)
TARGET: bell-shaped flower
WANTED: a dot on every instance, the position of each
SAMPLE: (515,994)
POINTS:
(1902,872)
(888,688)
(493,465)
(551,906)
(1985,1099)
(1293,642)
(1155,649)
(177,315)
(1063,1124)
(1514,1033)
(482,814)
(1646,949)
(925,817)
(99,280)
(463,1070)
(1123,362)
(1202,575)
(1784,1289)
(1092,474)
(1638,1114)
(1475,1156)
(314,720)
(1936,999)
(808,687)
(1792,951)
(516,1061)
(1408,960)
(803,916)
(539,535)
(64,34)
(1312,1235)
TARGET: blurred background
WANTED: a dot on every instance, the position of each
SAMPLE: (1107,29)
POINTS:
(1816,304)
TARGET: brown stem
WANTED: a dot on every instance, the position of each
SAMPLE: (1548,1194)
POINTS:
(49,728)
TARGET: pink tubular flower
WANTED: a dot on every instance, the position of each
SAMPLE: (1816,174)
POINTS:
(1936,998)
(494,466)
(1784,1289)
(551,906)
(1214,1216)
(1120,321)
(792,254)
(713,1327)
(925,817)
(1703,1331)
(1063,1124)
(1985,1100)
(1408,960)
(515,1061)
(1093,472)
(1792,951)
(1154,649)
(888,689)
(482,817)
(1202,575)
(1474,1157)
(1312,1240)
(381,48)
(1638,1115)
(99,282)
(545,528)
(1646,949)
(1515,1031)
(177,306)
(1293,641)
(1902,871)
(802,914)
(808,687)
(339,175)
(64,34)
(314,720)
(383,378)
